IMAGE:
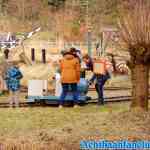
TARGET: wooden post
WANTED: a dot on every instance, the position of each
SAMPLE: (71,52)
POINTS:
(32,54)
(6,53)
(44,56)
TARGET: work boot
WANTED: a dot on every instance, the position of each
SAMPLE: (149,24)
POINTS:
(60,106)
(100,102)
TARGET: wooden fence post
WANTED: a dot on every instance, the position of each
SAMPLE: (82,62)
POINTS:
(6,53)
(44,56)
(32,54)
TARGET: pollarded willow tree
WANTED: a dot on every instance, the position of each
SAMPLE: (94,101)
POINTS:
(135,33)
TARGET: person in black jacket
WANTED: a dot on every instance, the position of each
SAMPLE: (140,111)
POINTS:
(88,61)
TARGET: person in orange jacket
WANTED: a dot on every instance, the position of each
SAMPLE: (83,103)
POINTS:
(70,76)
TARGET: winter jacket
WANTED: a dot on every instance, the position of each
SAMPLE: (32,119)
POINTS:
(70,69)
(13,76)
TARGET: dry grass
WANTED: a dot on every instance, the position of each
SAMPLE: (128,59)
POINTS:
(52,128)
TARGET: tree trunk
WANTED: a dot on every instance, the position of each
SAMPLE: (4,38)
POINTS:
(140,87)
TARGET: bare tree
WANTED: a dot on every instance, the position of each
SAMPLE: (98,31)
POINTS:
(135,33)
(24,10)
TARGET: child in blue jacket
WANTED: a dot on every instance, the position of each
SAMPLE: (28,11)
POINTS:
(13,76)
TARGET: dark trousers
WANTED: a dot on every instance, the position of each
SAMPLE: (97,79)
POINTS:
(82,74)
(99,86)
(66,87)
